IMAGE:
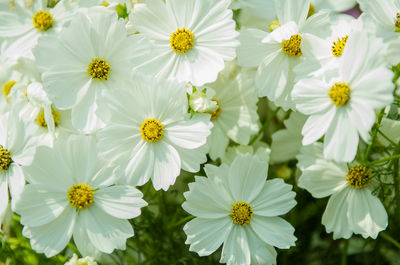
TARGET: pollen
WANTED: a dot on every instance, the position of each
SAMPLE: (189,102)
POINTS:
(358,177)
(339,93)
(42,122)
(338,46)
(99,69)
(42,20)
(215,114)
(152,130)
(181,40)
(5,158)
(274,25)
(7,87)
(292,46)
(80,196)
(397,24)
(241,213)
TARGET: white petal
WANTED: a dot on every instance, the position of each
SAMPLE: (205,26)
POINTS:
(236,247)
(288,10)
(167,166)
(335,217)
(274,231)
(317,125)
(311,96)
(39,206)
(261,252)
(52,238)
(189,134)
(120,201)
(106,232)
(205,236)
(276,198)
(247,177)
(366,213)
(251,50)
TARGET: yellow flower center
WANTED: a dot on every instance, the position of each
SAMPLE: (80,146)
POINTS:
(358,177)
(41,120)
(181,40)
(215,114)
(292,46)
(105,4)
(241,213)
(338,46)
(5,158)
(99,69)
(42,20)
(152,130)
(339,93)
(80,196)
(311,10)
(397,24)
(7,87)
(274,25)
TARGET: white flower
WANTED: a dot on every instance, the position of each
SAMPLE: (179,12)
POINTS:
(275,54)
(71,193)
(94,54)
(17,148)
(39,110)
(342,108)
(287,143)
(23,25)
(236,206)
(236,117)
(149,132)
(83,261)
(352,208)
(190,39)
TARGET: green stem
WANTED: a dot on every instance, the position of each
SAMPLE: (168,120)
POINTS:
(386,137)
(390,239)
(374,134)
(184,220)
(266,123)
(344,252)
(397,185)
(389,158)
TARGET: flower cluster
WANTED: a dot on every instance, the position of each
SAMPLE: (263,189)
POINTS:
(102,98)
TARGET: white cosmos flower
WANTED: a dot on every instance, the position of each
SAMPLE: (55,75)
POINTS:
(352,208)
(236,206)
(342,108)
(23,24)
(236,117)
(71,193)
(150,134)
(36,108)
(94,54)
(17,148)
(275,54)
(190,39)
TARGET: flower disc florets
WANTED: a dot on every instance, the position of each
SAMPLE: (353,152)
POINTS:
(339,93)
(358,177)
(80,196)
(41,120)
(241,213)
(99,69)
(292,46)
(5,159)
(181,40)
(42,20)
(152,130)
(397,24)
(338,46)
